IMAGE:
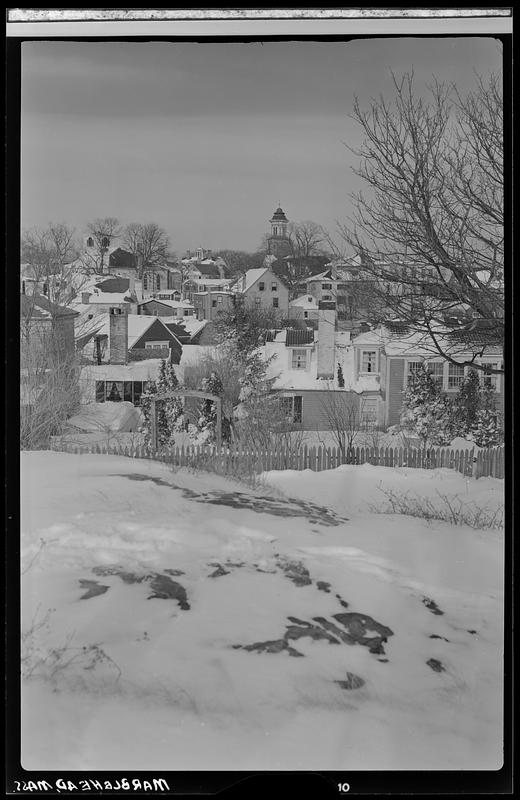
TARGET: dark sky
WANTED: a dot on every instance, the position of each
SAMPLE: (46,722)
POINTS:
(207,139)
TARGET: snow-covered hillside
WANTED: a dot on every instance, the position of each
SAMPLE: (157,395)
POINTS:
(175,621)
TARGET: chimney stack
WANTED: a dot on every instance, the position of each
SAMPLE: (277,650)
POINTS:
(118,336)
(326,336)
(85,298)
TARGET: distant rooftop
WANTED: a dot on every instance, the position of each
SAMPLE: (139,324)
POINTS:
(279,216)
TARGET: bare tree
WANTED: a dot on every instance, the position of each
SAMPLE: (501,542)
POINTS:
(430,232)
(103,232)
(239,261)
(149,243)
(49,388)
(307,238)
(49,262)
(343,413)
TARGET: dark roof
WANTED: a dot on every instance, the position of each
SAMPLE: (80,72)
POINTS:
(479,332)
(118,285)
(122,258)
(397,326)
(279,216)
(181,333)
(38,306)
(208,270)
(294,338)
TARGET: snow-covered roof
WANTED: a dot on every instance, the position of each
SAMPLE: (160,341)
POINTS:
(147,370)
(192,325)
(280,370)
(306,301)
(327,275)
(169,303)
(414,343)
(251,277)
(137,326)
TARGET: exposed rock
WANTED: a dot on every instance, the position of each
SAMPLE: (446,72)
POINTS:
(296,632)
(219,571)
(126,577)
(436,665)
(93,588)
(436,636)
(325,623)
(323,586)
(175,572)
(352,682)
(432,606)
(296,572)
(358,626)
(474,633)
(342,602)
(165,589)
(275,646)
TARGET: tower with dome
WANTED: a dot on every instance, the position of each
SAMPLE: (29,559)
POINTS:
(278,243)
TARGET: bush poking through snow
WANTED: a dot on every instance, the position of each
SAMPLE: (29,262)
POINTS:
(448,508)
(63,666)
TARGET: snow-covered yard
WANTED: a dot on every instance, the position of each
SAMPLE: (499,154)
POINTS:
(175,621)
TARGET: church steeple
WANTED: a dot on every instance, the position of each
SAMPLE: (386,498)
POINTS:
(279,224)
(278,242)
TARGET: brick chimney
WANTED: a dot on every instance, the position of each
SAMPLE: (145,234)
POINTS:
(326,336)
(118,336)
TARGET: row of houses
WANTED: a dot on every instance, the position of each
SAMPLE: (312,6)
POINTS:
(321,372)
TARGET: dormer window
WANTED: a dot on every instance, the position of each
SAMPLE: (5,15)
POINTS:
(369,361)
(299,359)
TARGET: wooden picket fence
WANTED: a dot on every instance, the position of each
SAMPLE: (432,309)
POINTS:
(484,463)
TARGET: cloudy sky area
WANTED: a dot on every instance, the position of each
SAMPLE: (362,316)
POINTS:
(206,139)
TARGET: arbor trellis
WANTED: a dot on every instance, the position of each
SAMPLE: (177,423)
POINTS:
(184,393)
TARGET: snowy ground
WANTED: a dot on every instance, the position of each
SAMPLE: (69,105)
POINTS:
(375,639)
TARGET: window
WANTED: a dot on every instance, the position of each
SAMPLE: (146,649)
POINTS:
(326,285)
(257,301)
(137,387)
(100,391)
(90,242)
(487,378)
(157,281)
(436,370)
(213,303)
(292,408)
(261,286)
(274,287)
(105,242)
(455,376)
(327,297)
(127,391)
(305,314)
(275,302)
(411,368)
(299,359)
(114,391)
(219,299)
(369,361)
(155,345)
(145,282)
